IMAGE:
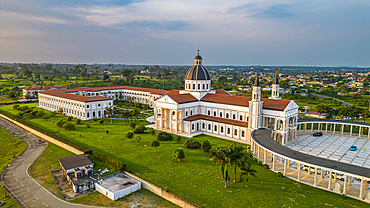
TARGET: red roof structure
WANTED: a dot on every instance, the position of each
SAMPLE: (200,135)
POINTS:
(59,93)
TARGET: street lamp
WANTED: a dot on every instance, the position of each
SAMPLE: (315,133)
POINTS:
(3,182)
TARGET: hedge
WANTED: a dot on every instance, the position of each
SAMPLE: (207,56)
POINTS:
(82,148)
(111,161)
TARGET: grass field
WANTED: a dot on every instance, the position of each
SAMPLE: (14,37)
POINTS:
(195,178)
(6,157)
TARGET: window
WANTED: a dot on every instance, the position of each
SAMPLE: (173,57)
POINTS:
(203,86)
(221,114)
(88,114)
(207,86)
(209,126)
(189,87)
(227,115)
(234,117)
(215,128)
(203,126)
(191,112)
(214,113)
(193,86)
(235,132)
(242,133)
(99,105)
(197,126)
(94,114)
(241,117)
(209,113)
(222,129)
(186,113)
(173,113)
(198,86)
(192,127)
(228,130)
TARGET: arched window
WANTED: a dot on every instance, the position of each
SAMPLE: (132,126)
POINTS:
(209,126)
(209,112)
(94,114)
(197,126)
(227,115)
(234,117)
(173,113)
(198,86)
(222,129)
(242,133)
(235,132)
(214,113)
(192,127)
(189,87)
(186,113)
(228,130)
(203,126)
(220,114)
(191,112)
(215,128)
(241,117)
(193,86)
(203,86)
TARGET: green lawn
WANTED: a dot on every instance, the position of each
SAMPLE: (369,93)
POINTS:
(196,178)
(6,157)
(6,100)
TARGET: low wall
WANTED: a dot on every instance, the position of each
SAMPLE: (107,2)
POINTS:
(49,139)
(164,194)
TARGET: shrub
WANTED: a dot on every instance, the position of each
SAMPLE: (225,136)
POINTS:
(101,121)
(87,126)
(47,117)
(132,125)
(191,144)
(179,154)
(60,123)
(40,114)
(344,196)
(178,139)
(69,118)
(138,139)
(94,118)
(129,135)
(20,114)
(279,174)
(266,166)
(78,121)
(260,163)
(53,113)
(15,107)
(155,144)
(152,132)
(140,130)
(69,126)
(23,108)
(255,159)
(111,161)
(163,136)
(206,146)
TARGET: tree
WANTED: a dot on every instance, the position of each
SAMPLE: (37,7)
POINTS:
(133,125)
(101,121)
(237,157)
(164,136)
(60,123)
(179,154)
(69,126)
(222,81)
(178,139)
(365,114)
(136,113)
(206,146)
(129,75)
(247,171)
(109,111)
(221,156)
(138,139)
(154,144)
(129,135)
(105,77)
(320,108)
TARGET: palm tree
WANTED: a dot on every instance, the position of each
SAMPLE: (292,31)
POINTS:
(109,111)
(247,170)
(219,159)
(136,112)
(237,157)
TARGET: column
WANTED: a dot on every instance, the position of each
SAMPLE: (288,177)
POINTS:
(309,171)
(335,177)
(326,129)
(288,164)
(350,131)
(335,125)
(299,171)
(176,119)
(345,185)
(305,127)
(273,162)
(170,120)
(329,186)
(285,168)
(322,173)
(368,132)
(318,127)
(264,157)
(315,179)
(349,181)
(342,129)
(361,189)
(359,131)
(311,127)
(258,156)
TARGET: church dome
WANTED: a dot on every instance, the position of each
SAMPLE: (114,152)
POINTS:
(197,71)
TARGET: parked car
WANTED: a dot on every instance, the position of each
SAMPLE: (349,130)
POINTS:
(312,169)
(353,148)
(317,134)
(339,176)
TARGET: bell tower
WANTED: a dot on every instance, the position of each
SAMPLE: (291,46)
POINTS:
(275,87)
(255,106)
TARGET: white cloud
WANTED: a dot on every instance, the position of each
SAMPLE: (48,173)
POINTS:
(33,18)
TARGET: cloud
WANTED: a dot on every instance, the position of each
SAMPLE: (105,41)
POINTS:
(32,18)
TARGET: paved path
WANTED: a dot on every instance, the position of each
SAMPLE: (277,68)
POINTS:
(323,96)
(22,187)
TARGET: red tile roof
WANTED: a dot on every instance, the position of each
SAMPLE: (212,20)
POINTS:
(222,92)
(244,101)
(94,89)
(59,93)
(216,119)
(45,87)
(183,98)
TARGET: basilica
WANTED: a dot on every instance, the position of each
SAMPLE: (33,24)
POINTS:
(199,109)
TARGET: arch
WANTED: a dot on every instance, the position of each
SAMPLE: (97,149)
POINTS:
(243,133)
(221,114)
(99,114)
(191,112)
(209,126)
(179,127)
(228,130)
(227,115)
(186,113)
(192,126)
(214,113)
(234,116)
(88,115)
(280,125)
(209,112)
(235,132)
(203,125)
(198,126)
(179,115)
(241,117)
(222,129)
(215,128)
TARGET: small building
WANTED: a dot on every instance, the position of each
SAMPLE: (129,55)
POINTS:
(78,170)
(32,91)
(117,185)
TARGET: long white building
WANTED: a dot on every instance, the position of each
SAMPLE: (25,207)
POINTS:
(198,109)
(86,103)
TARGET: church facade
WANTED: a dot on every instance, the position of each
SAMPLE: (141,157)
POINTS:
(198,109)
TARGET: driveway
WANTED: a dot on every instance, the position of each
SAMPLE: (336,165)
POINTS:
(22,187)
(323,96)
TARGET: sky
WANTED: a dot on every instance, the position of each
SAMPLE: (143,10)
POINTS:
(166,32)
